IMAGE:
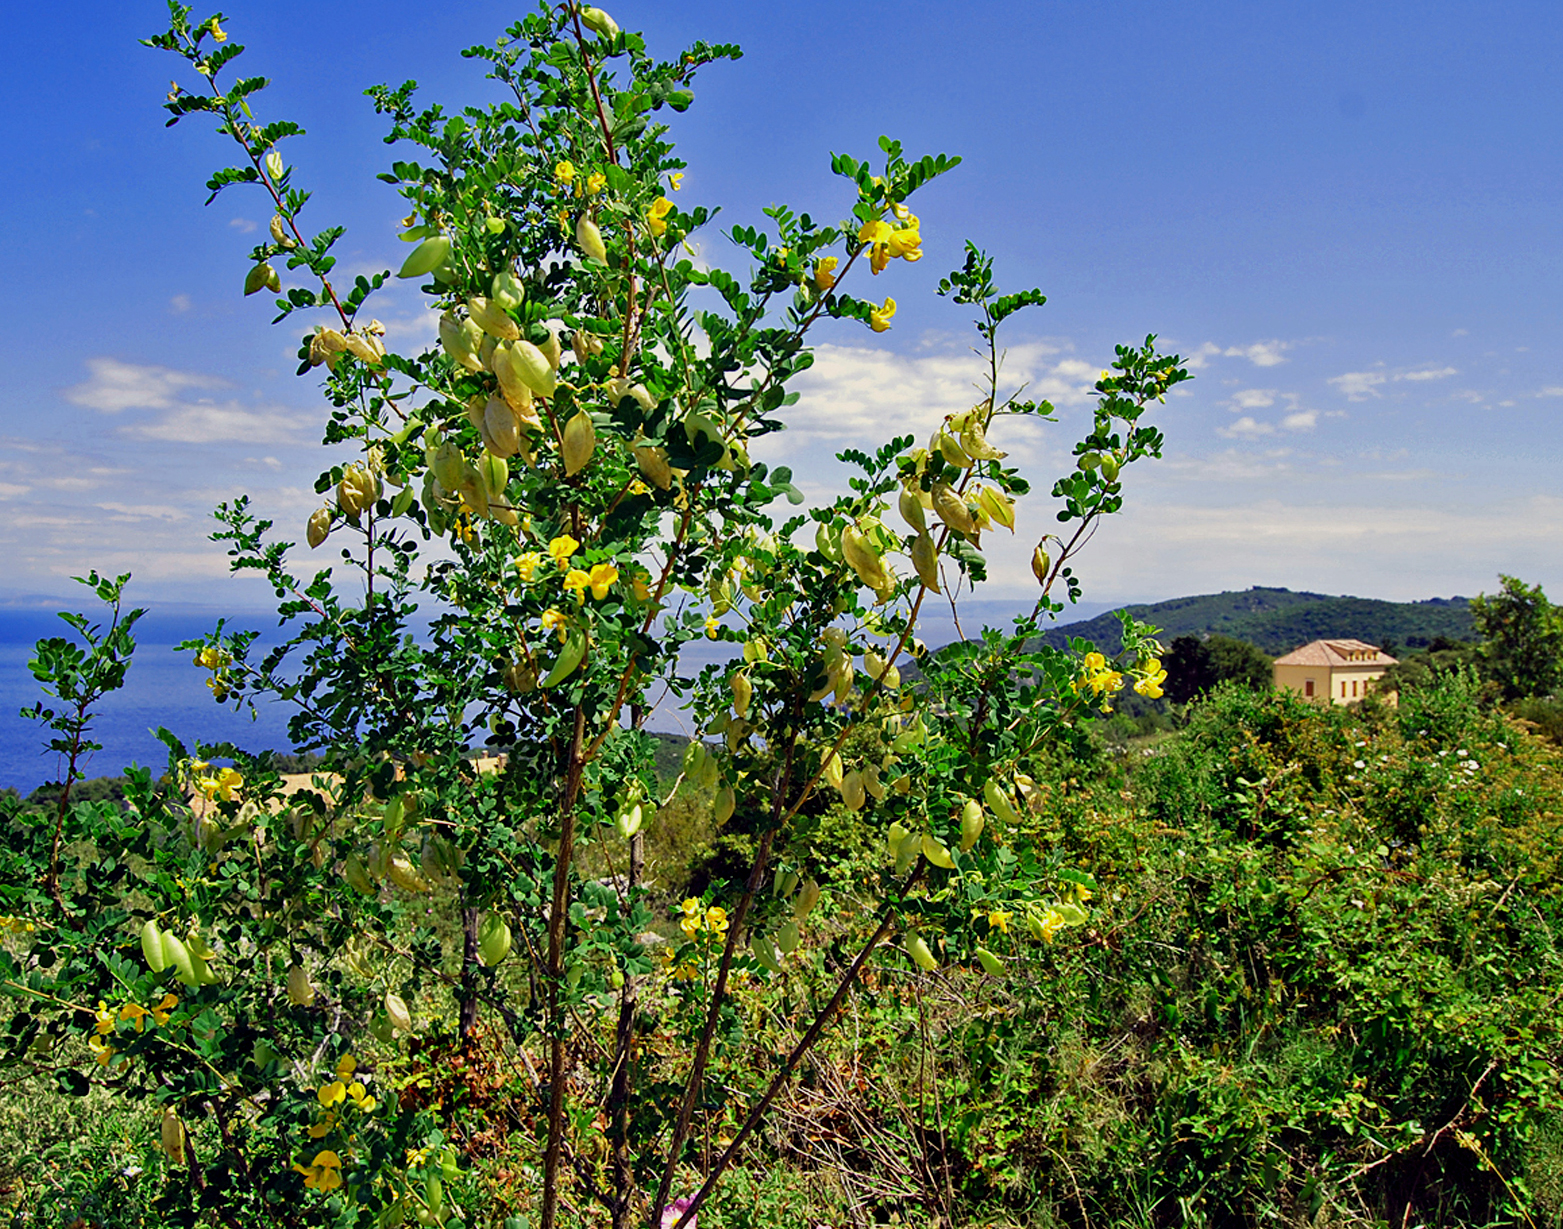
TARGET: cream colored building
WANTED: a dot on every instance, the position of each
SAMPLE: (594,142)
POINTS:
(1338,670)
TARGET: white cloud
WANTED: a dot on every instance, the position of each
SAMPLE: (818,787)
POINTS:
(142,512)
(1202,356)
(179,304)
(243,225)
(1302,420)
(117,386)
(1438,373)
(228,423)
(1245,428)
(1261,353)
(9,490)
(1359,385)
(1551,391)
(1253,398)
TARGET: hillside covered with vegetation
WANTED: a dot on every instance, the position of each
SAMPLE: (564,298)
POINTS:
(1278,620)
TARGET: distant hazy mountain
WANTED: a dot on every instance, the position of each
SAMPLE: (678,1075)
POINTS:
(1278,620)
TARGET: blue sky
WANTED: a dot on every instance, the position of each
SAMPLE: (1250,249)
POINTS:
(1346,215)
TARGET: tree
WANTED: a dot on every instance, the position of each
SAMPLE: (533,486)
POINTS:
(564,484)
(1522,639)
(1194,665)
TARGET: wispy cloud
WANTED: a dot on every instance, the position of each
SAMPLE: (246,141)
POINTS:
(1261,353)
(1429,373)
(1246,428)
(1359,385)
(228,423)
(115,386)
(1253,398)
(1302,420)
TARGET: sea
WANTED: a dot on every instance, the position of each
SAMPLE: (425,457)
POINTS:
(164,687)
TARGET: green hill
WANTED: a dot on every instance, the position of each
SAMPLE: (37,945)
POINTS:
(1278,620)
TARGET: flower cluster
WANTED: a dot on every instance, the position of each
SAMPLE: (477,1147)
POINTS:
(324,1173)
(713,920)
(887,241)
(1149,678)
(1100,679)
(657,216)
(339,1093)
(108,1021)
(220,785)
(217,661)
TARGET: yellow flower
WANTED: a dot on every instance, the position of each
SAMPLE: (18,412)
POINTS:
(222,786)
(825,272)
(217,33)
(564,173)
(527,564)
(640,587)
(160,1012)
(323,1127)
(690,907)
(105,1024)
(712,627)
(676,179)
(134,1012)
(906,243)
(879,317)
(595,183)
(561,548)
(555,619)
(602,575)
(657,215)
(576,582)
(999,919)
(1095,661)
(324,1173)
(1083,893)
(689,926)
(875,232)
(345,1066)
(331,1094)
(1052,922)
(102,1051)
(716,919)
(212,659)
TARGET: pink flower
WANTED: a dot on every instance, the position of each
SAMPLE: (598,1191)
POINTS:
(674,1210)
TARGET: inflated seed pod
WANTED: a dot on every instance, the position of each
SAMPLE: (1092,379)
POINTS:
(580,441)
(973,820)
(917,949)
(152,946)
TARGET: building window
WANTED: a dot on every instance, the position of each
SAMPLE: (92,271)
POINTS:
(1343,689)
(1308,687)
(1353,689)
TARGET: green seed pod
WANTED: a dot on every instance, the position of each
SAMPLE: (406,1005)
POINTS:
(493,940)
(999,802)
(580,441)
(494,474)
(171,1136)
(447,466)
(863,559)
(152,946)
(528,365)
(724,805)
(743,692)
(925,558)
(300,992)
(906,852)
(461,340)
(787,937)
(973,820)
(356,875)
(831,769)
(695,756)
(937,853)
(493,319)
(898,833)
(589,239)
(951,450)
(808,897)
(653,463)
(911,509)
(828,542)
(595,20)
(917,949)
(766,952)
(382,1030)
(1110,468)
(570,656)
(951,509)
(628,820)
(991,963)
(853,794)
(1040,564)
(506,291)
(400,871)
(616,978)
(397,1013)
(974,442)
(426,257)
(998,507)
(175,953)
(261,277)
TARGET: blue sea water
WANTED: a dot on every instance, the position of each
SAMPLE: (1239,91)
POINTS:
(164,688)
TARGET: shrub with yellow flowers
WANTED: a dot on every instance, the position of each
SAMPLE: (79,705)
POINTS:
(566,491)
